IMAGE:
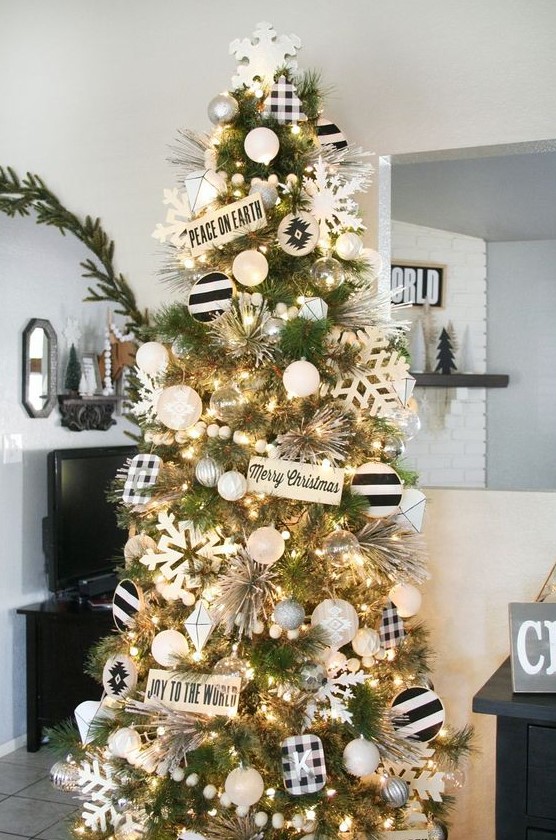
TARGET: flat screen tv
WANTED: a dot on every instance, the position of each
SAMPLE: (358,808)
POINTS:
(81,537)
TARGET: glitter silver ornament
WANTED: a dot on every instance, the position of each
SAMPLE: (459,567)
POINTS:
(64,775)
(289,614)
(438,831)
(207,472)
(272,329)
(392,447)
(224,402)
(222,109)
(395,792)
(268,193)
(313,676)
(327,274)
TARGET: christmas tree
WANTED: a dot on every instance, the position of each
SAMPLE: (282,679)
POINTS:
(269,679)
(73,372)
(445,353)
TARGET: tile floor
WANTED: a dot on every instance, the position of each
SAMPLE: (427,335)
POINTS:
(29,805)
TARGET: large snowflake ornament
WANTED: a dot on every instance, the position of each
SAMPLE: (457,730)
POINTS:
(183,553)
(97,786)
(179,213)
(337,691)
(329,198)
(423,780)
(260,57)
(147,398)
(372,383)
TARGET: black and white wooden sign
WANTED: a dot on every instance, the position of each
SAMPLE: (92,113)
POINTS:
(206,695)
(292,480)
(224,225)
(533,647)
(421,713)
(127,601)
(417,284)
(210,296)
(303,764)
(382,487)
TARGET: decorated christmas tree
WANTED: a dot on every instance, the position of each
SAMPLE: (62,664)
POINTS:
(269,678)
(445,353)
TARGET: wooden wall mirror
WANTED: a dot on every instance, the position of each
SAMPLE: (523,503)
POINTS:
(40,368)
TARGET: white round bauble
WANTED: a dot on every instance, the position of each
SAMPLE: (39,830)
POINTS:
(222,109)
(335,660)
(179,407)
(232,485)
(261,144)
(151,357)
(277,820)
(366,642)
(242,810)
(353,664)
(209,791)
(123,741)
(266,545)
(178,774)
(275,631)
(361,757)
(338,618)
(250,268)
(373,259)
(225,800)
(260,446)
(289,614)
(260,819)
(301,379)
(244,786)
(168,644)
(406,598)
(192,780)
(348,246)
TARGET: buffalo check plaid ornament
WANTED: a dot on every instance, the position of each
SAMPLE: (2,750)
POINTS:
(142,473)
(283,103)
(303,765)
(391,630)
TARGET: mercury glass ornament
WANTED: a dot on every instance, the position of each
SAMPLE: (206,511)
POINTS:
(222,109)
(272,329)
(438,831)
(233,666)
(342,547)
(395,792)
(313,676)
(407,422)
(207,472)
(392,447)
(454,780)
(181,347)
(267,192)
(130,831)
(289,614)
(327,274)
(64,775)
(224,402)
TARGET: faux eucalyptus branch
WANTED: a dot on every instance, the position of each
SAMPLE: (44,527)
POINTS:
(21,197)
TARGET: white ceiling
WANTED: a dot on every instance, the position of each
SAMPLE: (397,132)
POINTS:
(504,198)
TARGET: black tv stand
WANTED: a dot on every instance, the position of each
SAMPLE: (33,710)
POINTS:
(59,636)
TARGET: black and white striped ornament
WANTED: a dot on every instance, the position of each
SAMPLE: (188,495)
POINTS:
(328,134)
(211,296)
(127,601)
(381,486)
(421,713)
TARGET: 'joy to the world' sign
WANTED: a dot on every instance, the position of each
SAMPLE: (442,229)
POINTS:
(291,480)
(225,224)
(205,695)
(417,284)
(533,647)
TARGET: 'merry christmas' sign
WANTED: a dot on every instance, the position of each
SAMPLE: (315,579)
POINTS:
(206,695)
(292,480)
(225,224)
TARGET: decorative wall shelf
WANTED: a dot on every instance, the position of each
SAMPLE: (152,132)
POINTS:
(461,380)
(85,414)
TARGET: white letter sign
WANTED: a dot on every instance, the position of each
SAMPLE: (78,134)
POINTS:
(533,647)
(292,480)
(225,224)
(206,695)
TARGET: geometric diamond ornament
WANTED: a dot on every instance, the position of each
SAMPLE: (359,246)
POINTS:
(199,626)
(404,388)
(202,188)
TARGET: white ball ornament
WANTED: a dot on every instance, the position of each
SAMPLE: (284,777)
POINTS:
(224,432)
(278,820)
(225,800)
(348,246)
(250,268)
(261,819)
(242,810)
(208,471)
(151,358)
(361,757)
(167,645)
(406,598)
(260,446)
(232,485)
(213,430)
(179,407)
(261,145)
(209,791)
(266,545)
(366,642)
(301,379)
(244,786)
(338,618)
(192,780)
(222,109)
(124,741)
(275,631)
(178,774)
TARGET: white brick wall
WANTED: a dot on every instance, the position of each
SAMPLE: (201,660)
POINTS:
(450,449)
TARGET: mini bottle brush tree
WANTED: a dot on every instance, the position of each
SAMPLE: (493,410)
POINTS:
(269,679)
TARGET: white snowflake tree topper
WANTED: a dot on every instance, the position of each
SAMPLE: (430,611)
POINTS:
(260,57)
(330,200)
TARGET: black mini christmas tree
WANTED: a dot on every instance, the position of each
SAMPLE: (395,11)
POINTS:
(445,354)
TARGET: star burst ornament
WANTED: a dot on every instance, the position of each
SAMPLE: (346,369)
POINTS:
(242,332)
(325,435)
(245,586)
(260,57)
(330,200)
(199,625)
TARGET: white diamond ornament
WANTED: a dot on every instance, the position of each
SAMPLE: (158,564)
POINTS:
(412,509)
(313,309)
(84,714)
(404,388)
(202,188)
(199,625)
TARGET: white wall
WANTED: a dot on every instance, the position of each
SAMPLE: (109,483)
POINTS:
(92,94)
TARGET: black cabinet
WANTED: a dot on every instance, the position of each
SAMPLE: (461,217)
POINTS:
(59,635)
(525,758)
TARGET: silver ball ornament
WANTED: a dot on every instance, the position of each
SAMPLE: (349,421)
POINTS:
(289,614)
(272,329)
(208,471)
(407,421)
(438,831)
(222,109)
(64,775)
(327,274)
(267,192)
(395,792)
(392,447)
(313,676)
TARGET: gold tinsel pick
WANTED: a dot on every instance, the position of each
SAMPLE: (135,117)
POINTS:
(325,435)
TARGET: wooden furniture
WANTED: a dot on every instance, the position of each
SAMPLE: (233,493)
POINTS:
(59,637)
(525,758)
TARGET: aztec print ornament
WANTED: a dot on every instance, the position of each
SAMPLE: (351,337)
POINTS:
(391,630)
(339,620)
(298,233)
(303,764)
(328,134)
(421,713)
(210,296)
(283,103)
(380,485)
(142,473)
(127,601)
(119,676)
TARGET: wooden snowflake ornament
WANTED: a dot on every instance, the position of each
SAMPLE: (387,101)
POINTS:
(260,57)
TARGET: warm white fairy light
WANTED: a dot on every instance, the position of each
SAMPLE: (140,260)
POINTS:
(189,262)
